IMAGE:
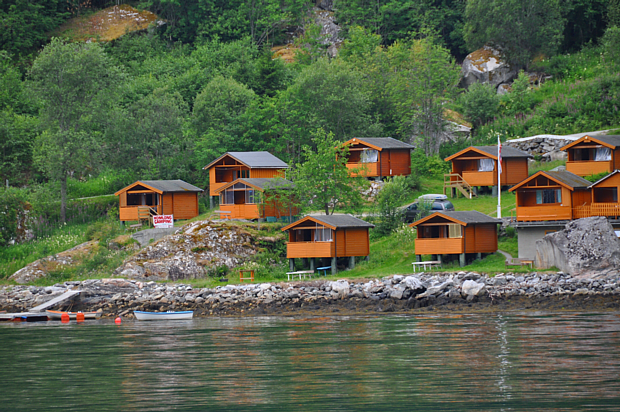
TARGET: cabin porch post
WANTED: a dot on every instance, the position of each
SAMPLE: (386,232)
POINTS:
(352,262)
(291,264)
(462,259)
(334,262)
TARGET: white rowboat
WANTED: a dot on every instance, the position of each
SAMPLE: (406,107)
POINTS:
(188,314)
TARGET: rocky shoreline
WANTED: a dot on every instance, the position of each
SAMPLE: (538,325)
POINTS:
(462,291)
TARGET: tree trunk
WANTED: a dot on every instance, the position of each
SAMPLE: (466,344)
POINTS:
(63,198)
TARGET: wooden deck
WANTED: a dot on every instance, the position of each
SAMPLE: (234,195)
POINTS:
(589,167)
(310,249)
(443,246)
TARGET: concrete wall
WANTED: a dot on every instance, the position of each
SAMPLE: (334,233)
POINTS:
(144,236)
(528,236)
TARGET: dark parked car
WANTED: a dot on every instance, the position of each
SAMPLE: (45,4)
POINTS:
(425,205)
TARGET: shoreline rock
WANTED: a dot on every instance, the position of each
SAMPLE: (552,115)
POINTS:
(461,291)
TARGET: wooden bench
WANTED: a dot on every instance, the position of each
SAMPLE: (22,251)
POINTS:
(324,269)
(520,262)
(224,214)
(426,265)
(243,272)
(300,273)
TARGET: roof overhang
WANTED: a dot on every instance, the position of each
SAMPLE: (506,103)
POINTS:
(437,214)
(307,219)
(474,149)
(587,139)
(138,183)
(534,176)
(223,157)
(357,140)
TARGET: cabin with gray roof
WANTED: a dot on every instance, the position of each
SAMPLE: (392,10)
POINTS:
(235,165)
(145,198)
(476,166)
(378,157)
(327,238)
(465,235)
(590,155)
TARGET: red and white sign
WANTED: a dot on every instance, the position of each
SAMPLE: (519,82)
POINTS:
(163,221)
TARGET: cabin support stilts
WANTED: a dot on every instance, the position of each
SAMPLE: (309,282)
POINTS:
(494,191)
(211,203)
(462,261)
(352,262)
(479,256)
(439,259)
(291,264)
(312,264)
(334,262)
(418,258)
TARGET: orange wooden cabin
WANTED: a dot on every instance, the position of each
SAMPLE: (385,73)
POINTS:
(456,234)
(245,199)
(378,157)
(327,236)
(551,196)
(477,166)
(592,155)
(236,165)
(161,197)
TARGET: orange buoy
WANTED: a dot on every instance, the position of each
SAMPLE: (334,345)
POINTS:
(117,320)
(64,318)
(79,317)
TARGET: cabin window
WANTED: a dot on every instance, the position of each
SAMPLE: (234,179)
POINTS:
(455,230)
(249,196)
(486,165)
(245,174)
(322,234)
(606,195)
(369,156)
(229,197)
(602,154)
(548,196)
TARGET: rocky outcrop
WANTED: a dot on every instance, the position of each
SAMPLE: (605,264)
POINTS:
(42,267)
(116,297)
(194,251)
(585,247)
(486,65)
(330,31)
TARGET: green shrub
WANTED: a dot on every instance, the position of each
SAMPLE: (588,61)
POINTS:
(611,44)
(13,215)
(480,103)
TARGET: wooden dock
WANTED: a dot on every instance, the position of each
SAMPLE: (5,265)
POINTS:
(67,295)
(23,317)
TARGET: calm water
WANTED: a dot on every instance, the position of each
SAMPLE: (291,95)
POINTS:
(553,362)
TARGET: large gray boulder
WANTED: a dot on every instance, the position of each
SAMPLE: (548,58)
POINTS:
(486,65)
(586,247)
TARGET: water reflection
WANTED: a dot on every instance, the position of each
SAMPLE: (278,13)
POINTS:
(465,362)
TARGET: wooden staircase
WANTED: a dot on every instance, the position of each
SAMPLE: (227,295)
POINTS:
(455,180)
(145,213)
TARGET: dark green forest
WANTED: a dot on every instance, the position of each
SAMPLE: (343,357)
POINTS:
(163,103)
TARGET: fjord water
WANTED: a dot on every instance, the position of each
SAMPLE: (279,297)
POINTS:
(481,362)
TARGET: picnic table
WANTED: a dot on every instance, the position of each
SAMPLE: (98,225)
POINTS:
(300,273)
(224,214)
(324,269)
(426,265)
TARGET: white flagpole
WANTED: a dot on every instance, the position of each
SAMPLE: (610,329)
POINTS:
(499,181)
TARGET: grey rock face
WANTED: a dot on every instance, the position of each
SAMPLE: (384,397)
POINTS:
(486,65)
(585,247)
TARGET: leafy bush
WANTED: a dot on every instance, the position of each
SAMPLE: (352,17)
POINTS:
(430,166)
(13,214)
(389,201)
(480,103)
(611,44)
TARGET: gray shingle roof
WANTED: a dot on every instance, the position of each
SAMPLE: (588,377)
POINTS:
(264,160)
(385,142)
(569,179)
(171,185)
(341,221)
(471,216)
(612,140)
(507,151)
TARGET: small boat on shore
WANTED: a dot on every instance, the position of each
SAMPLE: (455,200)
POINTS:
(57,315)
(140,315)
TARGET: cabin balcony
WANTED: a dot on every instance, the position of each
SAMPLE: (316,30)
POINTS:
(310,249)
(130,213)
(589,167)
(541,213)
(364,169)
(241,211)
(597,209)
(476,178)
(439,246)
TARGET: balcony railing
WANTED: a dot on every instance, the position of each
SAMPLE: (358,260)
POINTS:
(589,167)
(310,249)
(364,169)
